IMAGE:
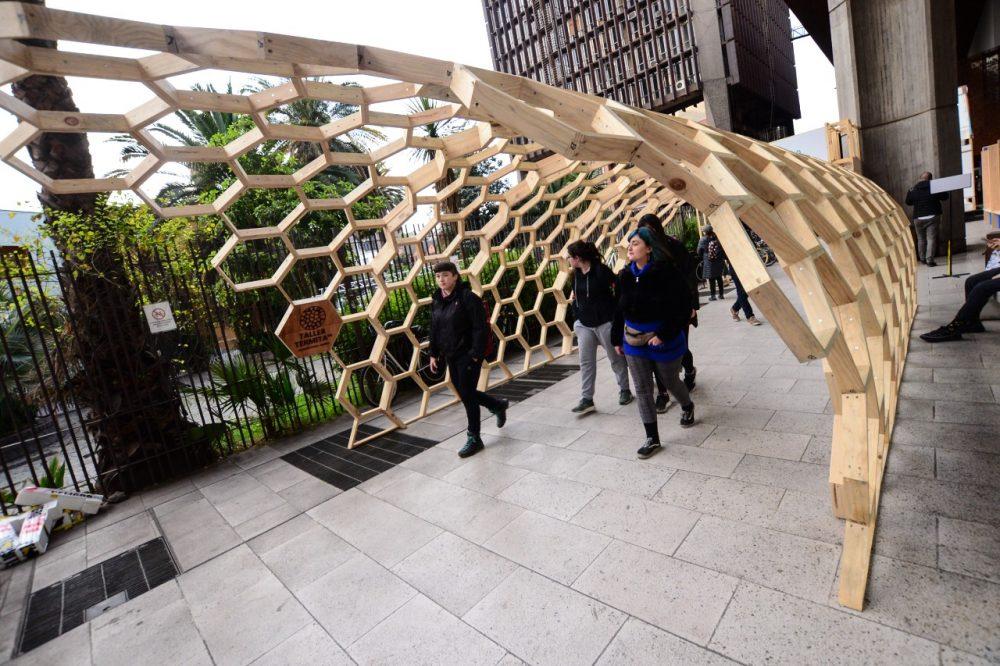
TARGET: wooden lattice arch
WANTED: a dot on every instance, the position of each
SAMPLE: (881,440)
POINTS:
(840,239)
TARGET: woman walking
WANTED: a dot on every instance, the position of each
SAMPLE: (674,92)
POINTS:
(713,260)
(654,306)
(594,298)
(459,333)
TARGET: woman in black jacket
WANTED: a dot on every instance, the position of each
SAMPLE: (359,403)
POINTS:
(654,307)
(458,338)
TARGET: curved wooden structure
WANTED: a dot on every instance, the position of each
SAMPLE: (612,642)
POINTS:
(842,241)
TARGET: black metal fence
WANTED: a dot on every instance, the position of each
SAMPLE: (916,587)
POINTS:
(233,381)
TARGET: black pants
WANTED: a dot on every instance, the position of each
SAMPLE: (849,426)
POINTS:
(742,299)
(978,290)
(687,362)
(465,375)
(712,282)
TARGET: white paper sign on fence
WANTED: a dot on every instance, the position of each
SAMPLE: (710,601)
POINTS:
(160,317)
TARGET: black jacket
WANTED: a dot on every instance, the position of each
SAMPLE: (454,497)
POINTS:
(660,294)
(594,295)
(924,203)
(686,265)
(458,324)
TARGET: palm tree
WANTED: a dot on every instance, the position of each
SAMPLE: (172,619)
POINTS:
(436,130)
(197,129)
(125,385)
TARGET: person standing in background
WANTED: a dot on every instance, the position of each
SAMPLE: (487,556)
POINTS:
(713,261)
(594,298)
(926,217)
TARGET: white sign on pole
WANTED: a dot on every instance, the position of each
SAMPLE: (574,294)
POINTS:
(951,183)
(160,317)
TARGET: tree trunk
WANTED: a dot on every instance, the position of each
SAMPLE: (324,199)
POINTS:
(133,407)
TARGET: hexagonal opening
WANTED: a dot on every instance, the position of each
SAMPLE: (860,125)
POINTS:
(259,207)
(254,260)
(316,228)
(309,278)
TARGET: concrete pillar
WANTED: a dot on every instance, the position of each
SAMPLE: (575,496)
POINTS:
(897,79)
(712,69)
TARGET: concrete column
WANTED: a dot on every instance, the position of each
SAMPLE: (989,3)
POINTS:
(897,79)
(711,68)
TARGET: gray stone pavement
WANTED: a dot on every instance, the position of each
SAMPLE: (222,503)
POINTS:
(557,546)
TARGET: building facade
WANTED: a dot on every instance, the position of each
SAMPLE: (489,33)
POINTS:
(663,55)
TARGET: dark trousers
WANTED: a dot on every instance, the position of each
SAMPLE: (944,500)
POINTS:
(712,282)
(687,362)
(978,290)
(465,375)
(742,299)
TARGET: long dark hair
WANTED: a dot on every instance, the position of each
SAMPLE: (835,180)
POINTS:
(659,237)
(584,250)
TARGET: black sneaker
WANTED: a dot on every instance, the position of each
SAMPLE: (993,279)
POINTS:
(931,263)
(711,298)
(662,403)
(501,413)
(649,448)
(952,331)
(689,379)
(585,407)
(687,416)
(473,445)
(625,397)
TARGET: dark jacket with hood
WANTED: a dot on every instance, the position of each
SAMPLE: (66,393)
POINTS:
(458,324)
(594,295)
(660,294)
(924,203)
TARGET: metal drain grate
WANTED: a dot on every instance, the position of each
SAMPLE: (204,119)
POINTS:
(62,606)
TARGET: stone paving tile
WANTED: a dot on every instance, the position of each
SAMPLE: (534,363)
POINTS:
(736,500)
(469,514)
(380,482)
(806,515)
(802,423)
(550,460)
(913,408)
(802,567)
(911,460)
(681,598)
(641,644)
(61,561)
(928,390)
(969,563)
(551,435)
(652,525)
(70,649)
(953,657)
(949,374)
(625,476)
(953,436)
(696,459)
(767,626)
(758,442)
(421,632)
(968,548)
(455,573)
(736,417)
(795,372)
(310,645)
(544,622)
(955,610)
(195,530)
(434,462)
(279,475)
(551,547)
(794,402)
(218,609)
(485,476)
(804,477)
(309,493)
(939,360)
(118,537)
(351,599)
(300,551)
(166,492)
(553,496)
(115,513)
(955,500)
(967,412)
(810,387)
(818,451)
(158,626)
(907,535)
(969,467)
(384,532)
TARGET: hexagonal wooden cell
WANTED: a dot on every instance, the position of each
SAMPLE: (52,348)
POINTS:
(445,161)
(310,327)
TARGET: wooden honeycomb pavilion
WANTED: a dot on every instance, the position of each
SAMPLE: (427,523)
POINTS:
(841,240)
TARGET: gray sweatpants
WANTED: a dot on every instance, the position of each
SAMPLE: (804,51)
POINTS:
(642,378)
(927,233)
(589,338)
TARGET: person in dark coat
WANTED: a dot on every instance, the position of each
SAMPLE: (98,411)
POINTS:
(654,307)
(594,300)
(682,261)
(458,338)
(713,260)
(926,217)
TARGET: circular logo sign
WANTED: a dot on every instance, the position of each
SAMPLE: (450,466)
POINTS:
(312,317)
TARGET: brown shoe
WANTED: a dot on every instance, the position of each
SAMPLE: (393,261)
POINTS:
(753,321)
(735,315)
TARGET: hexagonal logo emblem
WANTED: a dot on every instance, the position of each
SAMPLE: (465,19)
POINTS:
(310,327)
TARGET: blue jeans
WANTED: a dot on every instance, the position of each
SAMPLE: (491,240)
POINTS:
(742,299)
(978,290)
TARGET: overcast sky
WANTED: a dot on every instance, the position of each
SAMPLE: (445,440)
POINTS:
(445,29)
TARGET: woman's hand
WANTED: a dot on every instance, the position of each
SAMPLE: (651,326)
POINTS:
(434,364)
(618,349)
(655,341)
